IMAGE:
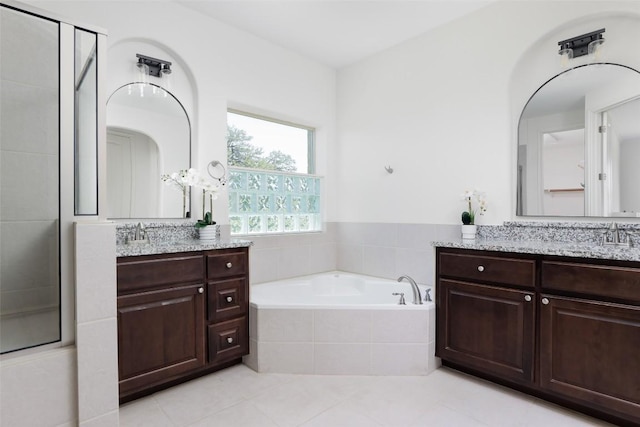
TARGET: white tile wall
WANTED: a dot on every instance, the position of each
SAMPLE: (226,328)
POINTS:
(400,359)
(284,325)
(342,359)
(285,256)
(97,325)
(342,326)
(407,326)
(285,357)
(47,384)
(390,250)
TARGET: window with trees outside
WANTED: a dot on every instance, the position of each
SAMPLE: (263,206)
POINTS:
(272,186)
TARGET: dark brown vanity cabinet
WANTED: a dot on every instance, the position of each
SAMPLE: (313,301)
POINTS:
(567,330)
(590,335)
(179,317)
(486,313)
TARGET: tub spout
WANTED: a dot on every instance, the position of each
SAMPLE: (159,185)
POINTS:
(417,298)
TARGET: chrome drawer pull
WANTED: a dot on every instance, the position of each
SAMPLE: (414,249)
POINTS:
(545,301)
(229,265)
(229,299)
(480,268)
(229,340)
(527,298)
(200,290)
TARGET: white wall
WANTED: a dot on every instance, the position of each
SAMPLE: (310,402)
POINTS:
(442,109)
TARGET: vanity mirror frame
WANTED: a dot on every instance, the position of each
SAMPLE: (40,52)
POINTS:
(597,200)
(189,153)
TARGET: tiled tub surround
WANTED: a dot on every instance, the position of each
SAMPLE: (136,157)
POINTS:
(572,239)
(311,325)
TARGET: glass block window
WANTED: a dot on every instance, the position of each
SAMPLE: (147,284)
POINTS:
(262,202)
(271,184)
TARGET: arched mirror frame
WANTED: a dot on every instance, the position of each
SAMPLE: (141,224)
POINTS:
(587,143)
(190,133)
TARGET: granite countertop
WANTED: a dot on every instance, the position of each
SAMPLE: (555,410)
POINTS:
(187,245)
(567,249)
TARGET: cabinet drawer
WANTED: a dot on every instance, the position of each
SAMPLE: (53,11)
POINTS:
(488,268)
(228,340)
(227,299)
(591,279)
(144,272)
(226,264)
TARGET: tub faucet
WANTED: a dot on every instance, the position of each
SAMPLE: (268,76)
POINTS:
(417,298)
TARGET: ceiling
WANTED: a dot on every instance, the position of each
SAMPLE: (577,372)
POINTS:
(336,33)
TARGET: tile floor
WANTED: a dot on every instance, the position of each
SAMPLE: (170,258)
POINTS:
(239,397)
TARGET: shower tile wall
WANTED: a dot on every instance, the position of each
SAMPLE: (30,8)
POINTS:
(381,250)
(28,168)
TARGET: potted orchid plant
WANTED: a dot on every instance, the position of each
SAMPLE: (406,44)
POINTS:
(468,216)
(207,228)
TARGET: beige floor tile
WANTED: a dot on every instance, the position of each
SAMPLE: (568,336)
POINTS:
(240,397)
(244,414)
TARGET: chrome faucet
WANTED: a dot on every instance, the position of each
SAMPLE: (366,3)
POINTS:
(615,237)
(417,298)
(140,235)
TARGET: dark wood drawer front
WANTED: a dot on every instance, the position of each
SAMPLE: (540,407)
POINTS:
(226,264)
(227,299)
(508,271)
(228,340)
(597,280)
(135,273)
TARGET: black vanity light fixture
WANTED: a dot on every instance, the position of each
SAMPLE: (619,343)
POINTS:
(585,44)
(155,67)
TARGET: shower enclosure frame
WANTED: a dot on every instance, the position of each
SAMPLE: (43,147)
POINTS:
(67,135)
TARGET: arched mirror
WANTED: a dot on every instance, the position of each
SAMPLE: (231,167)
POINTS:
(148,135)
(579,145)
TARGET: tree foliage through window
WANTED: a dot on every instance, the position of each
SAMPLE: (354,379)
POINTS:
(242,153)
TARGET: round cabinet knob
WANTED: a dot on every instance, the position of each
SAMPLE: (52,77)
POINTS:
(230,340)
(545,301)
(229,265)
(480,268)
(527,298)
(229,299)
(200,290)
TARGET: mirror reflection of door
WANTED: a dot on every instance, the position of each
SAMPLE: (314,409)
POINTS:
(576,99)
(621,153)
(563,172)
(133,172)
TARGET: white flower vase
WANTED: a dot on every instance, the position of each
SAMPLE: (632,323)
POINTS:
(210,232)
(469,232)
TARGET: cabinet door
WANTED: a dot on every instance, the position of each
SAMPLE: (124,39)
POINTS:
(487,328)
(160,335)
(589,353)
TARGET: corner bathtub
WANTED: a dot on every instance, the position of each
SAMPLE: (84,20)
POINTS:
(342,324)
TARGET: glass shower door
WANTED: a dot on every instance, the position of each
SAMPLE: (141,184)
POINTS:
(29,177)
